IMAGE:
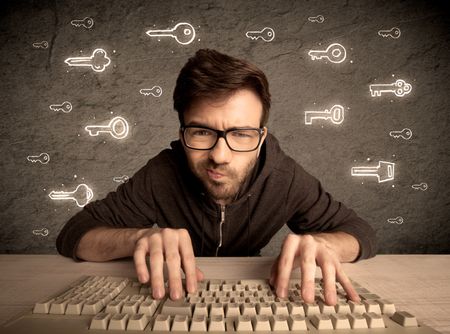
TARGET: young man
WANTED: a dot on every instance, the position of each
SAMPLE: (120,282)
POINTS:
(223,189)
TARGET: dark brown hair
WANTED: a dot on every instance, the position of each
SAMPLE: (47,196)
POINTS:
(211,74)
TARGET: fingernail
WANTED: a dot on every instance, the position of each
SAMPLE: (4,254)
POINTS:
(157,293)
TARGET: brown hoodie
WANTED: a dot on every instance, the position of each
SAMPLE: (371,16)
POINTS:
(166,193)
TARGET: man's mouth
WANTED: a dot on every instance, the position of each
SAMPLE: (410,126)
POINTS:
(214,174)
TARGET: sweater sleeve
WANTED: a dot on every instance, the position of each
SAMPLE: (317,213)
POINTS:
(131,205)
(311,209)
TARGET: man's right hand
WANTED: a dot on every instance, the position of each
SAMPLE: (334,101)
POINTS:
(173,246)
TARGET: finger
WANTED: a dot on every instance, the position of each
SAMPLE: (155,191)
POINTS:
(140,252)
(188,261)
(273,272)
(347,285)
(173,261)
(200,274)
(329,282)
(285,263)
(308,271)
(156,266)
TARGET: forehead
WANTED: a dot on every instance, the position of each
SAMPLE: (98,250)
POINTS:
(241,109)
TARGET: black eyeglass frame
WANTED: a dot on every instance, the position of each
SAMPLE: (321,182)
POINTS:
(220,134)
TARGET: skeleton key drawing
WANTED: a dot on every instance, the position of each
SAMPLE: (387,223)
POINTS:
(399,88)
(405,134)
(156,91)
(318,19)
(87,23)
(267,34)
(41,45)
(81,195)
(335,53)
(98,61)
(422,186)
(335,114)
(121,179)
(43,231)
(393,32)
(117,127)
(43,158)
(384,171)
(184,33)
(65,107)
(397,220)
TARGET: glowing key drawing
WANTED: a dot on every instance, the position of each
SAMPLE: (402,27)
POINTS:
(81,195)
(184,33)
(384,171)
(421,186)
(43,231)
(121,179)
(266,34)
(399,88)
(335,114)
(397,220)
(43,158)
(41,45)
(317,19)
(156,91)
(117,127)
(393,33)
(87,23)
(405,134)
(335,53)
(65,107)
(98,61)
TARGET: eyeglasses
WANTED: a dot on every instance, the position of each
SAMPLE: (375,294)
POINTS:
(237,139)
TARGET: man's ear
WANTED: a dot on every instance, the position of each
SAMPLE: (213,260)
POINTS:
(266,131)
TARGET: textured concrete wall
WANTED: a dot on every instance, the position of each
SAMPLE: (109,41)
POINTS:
(34,76)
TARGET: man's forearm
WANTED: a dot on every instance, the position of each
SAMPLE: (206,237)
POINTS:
(345,245)
(105,243)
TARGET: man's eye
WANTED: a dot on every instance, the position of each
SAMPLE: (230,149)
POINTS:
(202,132)
(241,134)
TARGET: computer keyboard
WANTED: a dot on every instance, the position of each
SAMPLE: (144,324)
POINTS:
(98,304)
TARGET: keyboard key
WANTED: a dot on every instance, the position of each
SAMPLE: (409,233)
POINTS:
(232,310)
(243,323)
(342,307)
(321,321)
(147,307)
(43,307)
(130,307)
(114,306)
(59,307)
(387,307)
(118,321)
(162,323)
(74,306)
(174,307)
(372,306)
(279,322)
(405,319)
(374,320)
(280,308)
(92,306)
(180,323)
(264,308)
(296,308)
(357,321)
(356,307)
(216,309)
(340,321)
(311,309)
(217,324)
(201,309)
(248,309)
(326,309)
(261,322)
(137,322)
(297,322)
(100,321)
(198,323)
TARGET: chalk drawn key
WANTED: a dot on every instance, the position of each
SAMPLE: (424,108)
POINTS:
(87,23)
(317,19)
(184,33)
(267,34)
(81,195)
(393,33)
(98,61)
(40,45)
(43,158)
(422,186)
(335,114)
(43,231)
(65,107)
(405,134)
(399,88)
(335,53)
(117,127)
(397,220)
(156,91)
(384,171)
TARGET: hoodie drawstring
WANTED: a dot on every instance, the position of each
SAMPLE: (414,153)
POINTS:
(248,224)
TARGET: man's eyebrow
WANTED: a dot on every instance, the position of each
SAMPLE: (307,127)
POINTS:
(207,126)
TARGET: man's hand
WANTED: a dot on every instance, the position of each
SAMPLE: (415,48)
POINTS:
(173,246)
(307,251)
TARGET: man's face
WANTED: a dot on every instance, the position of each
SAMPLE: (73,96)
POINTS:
(221,170)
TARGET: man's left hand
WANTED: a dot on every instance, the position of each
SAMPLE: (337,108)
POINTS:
(307,252)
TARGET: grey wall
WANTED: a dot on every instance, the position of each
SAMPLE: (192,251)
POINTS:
(33,78)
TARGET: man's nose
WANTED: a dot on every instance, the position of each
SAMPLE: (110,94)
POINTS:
(221,153)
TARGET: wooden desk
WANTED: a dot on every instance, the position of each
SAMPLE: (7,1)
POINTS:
(419,284)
